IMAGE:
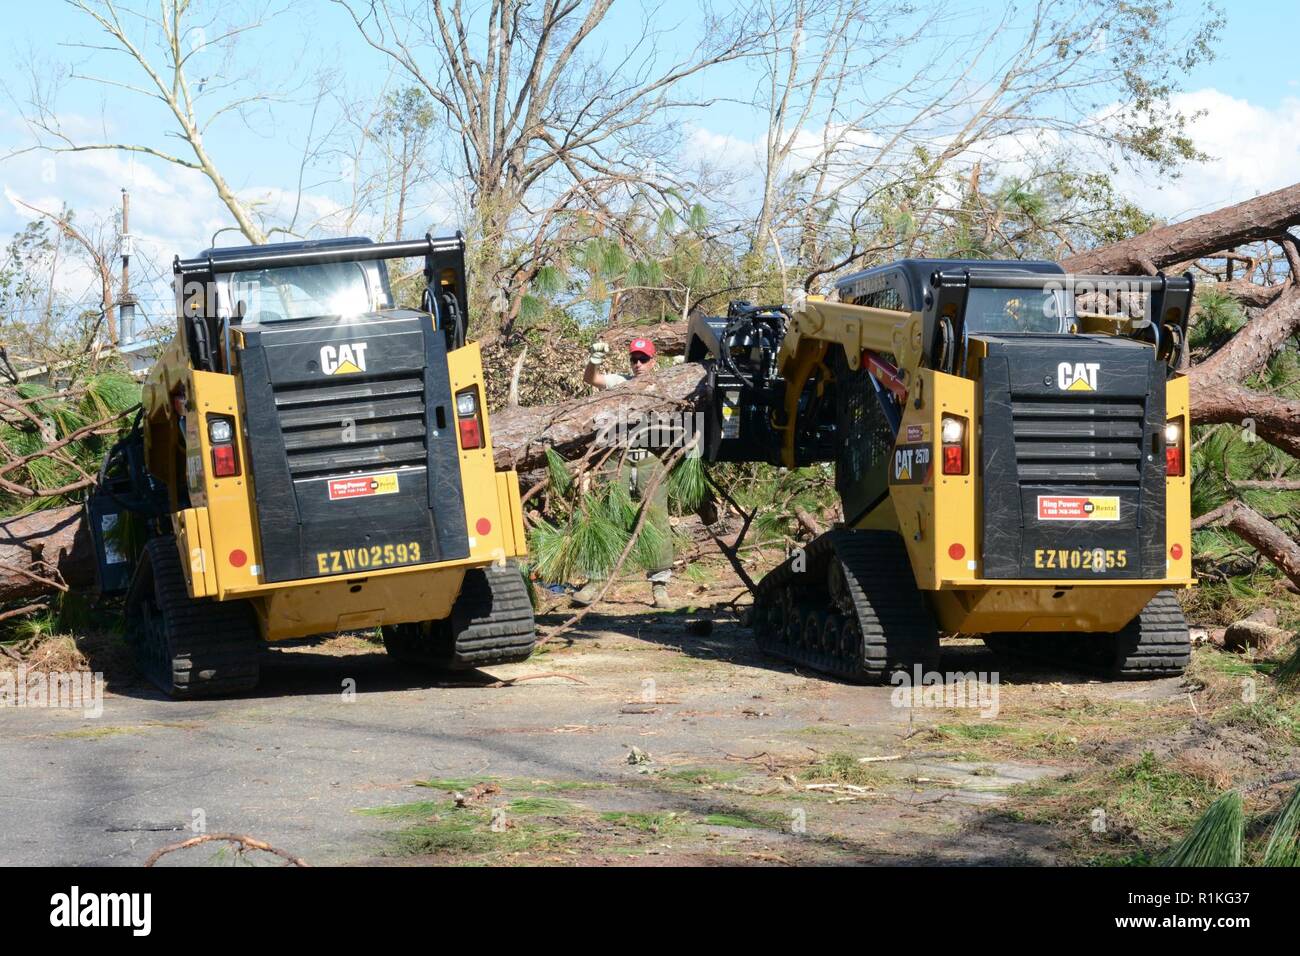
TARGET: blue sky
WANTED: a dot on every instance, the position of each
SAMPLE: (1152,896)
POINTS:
(1251,92)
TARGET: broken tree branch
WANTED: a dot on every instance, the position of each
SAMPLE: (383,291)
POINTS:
(244,844)
(1252,527)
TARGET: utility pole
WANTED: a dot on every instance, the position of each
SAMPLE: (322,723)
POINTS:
(126,300)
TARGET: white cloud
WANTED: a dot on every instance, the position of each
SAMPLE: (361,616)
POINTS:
(1253,149)
(174,210)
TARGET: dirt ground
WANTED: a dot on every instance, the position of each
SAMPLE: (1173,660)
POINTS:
(653,739)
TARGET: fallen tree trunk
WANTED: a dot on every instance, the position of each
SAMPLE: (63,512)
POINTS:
(520,436)
(1253,528)
(1275,420)
(1250,349)
(1264,217)
(669,337)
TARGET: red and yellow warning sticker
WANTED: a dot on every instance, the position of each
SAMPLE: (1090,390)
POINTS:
(1077,508)
(363,486)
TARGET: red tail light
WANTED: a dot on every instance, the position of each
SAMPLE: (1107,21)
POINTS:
(221,436)
(224,462)
(1174,463)
(952,460)
(469,419)
(953,435)
(470,437)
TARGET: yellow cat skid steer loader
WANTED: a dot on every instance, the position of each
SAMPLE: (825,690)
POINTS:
(310,459)
(1010,447)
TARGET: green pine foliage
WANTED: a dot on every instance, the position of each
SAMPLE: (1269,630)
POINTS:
(62,414)
(1217,837)
(587,530)
(1283,847)
(687,485)
(1218,317)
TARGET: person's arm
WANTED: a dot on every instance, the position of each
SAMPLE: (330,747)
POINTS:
(592,374)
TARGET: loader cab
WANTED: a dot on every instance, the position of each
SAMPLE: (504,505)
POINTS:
(1014,301)
(255,287)
(290,293)
(353,292)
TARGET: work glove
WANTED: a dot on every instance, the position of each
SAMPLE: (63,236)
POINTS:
(598,352)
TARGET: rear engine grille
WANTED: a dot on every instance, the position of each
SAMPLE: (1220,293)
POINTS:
(357,425)
(1095,440)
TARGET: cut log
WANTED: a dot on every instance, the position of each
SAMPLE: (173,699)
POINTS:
(44,550)
(669,337)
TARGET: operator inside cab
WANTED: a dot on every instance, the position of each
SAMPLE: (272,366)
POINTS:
(1017,311)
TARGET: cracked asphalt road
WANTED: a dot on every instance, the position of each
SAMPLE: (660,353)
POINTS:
(293,763)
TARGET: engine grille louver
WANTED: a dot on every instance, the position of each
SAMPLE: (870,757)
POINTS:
(1078,442)
(355,425)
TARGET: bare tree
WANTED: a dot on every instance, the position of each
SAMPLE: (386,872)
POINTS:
(165,48)
(99,251)
(542,123)
(812,52)
(876,117)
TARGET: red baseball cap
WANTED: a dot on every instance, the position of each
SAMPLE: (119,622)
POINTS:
(644,346)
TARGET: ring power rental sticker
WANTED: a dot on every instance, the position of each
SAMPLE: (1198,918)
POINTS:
(1077,508)
(363,486)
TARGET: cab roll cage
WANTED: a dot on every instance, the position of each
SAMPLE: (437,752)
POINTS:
(445,294)
(944,312)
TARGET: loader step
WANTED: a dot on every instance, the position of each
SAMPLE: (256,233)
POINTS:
(188,647)
(491,623)
(849,607)
(1154,644)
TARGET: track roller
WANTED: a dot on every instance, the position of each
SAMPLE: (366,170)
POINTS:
(847,606)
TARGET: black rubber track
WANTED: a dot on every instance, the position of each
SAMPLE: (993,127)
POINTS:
(848,607)
(491,623)
(1154,644)
(189,647)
